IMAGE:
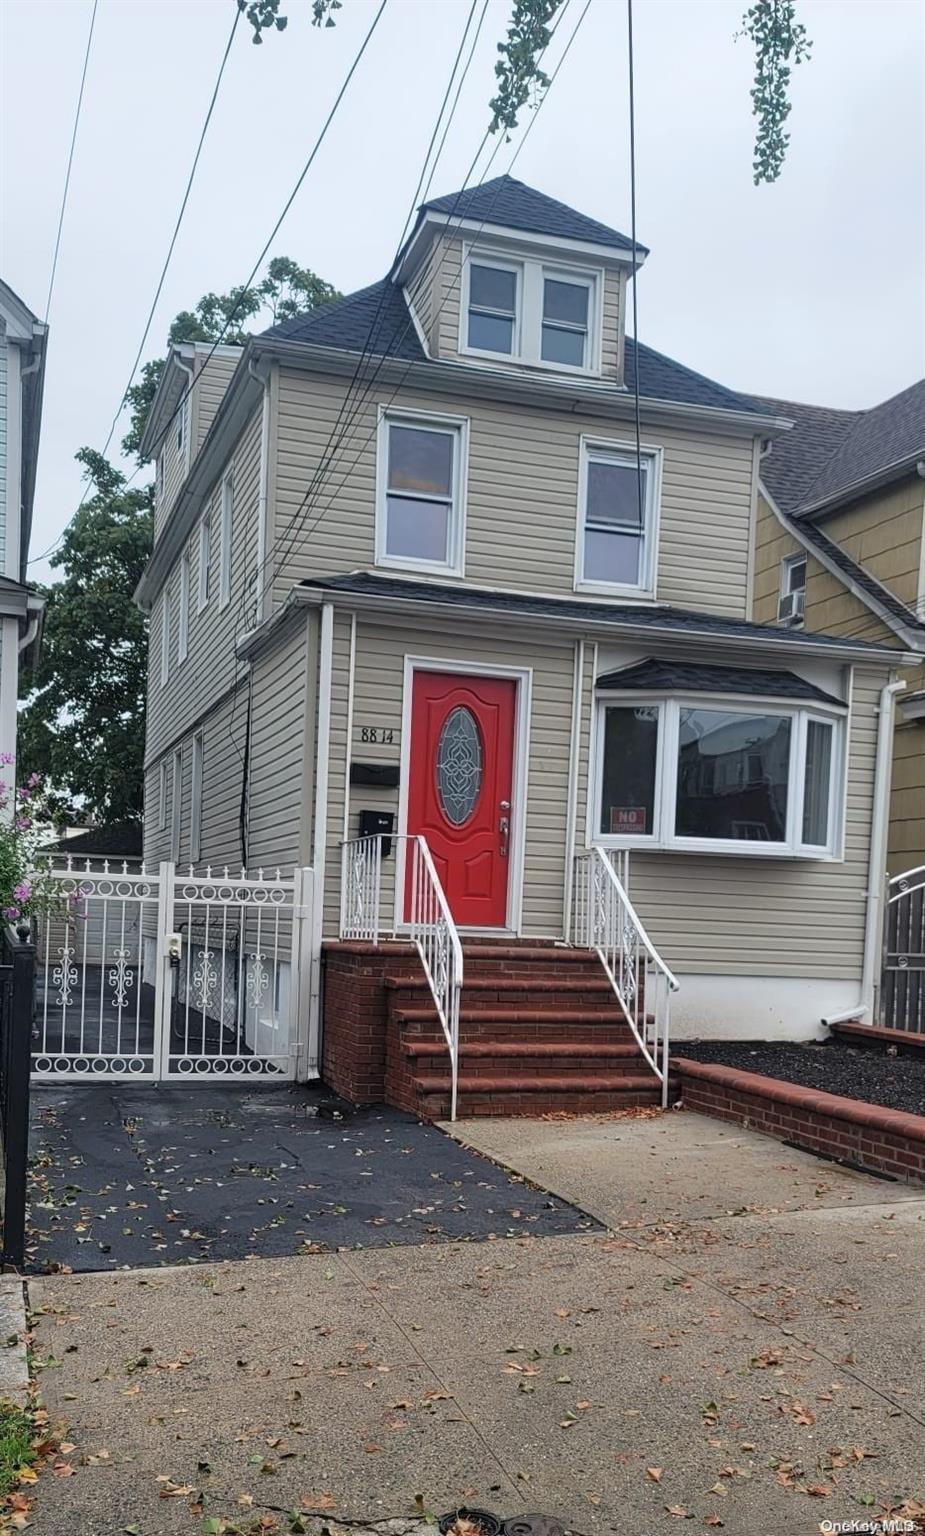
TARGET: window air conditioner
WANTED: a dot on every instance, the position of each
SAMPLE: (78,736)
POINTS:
(792,607)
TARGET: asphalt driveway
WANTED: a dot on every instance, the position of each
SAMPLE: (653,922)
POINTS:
(741,1351)
(130,1176)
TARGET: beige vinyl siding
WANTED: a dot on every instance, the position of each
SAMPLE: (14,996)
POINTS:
(212,379)
(223,740)
(419,296)
(612,332)
(378,696)
(175,468)
(275,779)
(907,804)
(522,501)
(741,916)
(446,283)
(830,607)
(210,666)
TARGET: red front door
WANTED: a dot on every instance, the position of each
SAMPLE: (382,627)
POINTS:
(459,793)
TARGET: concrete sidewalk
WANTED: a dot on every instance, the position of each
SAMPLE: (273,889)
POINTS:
(755,1369)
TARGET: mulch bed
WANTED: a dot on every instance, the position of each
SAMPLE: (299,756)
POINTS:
(865,1072)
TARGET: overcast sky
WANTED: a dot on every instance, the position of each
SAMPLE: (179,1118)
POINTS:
(812,289)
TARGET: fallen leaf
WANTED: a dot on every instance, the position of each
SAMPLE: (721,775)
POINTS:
(318,1501)
(655,1473)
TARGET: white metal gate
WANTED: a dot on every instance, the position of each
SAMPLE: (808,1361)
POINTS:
(171,975)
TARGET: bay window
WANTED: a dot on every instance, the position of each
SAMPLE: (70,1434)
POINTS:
(617,519)
(722,777)
(528,311)
(421,478)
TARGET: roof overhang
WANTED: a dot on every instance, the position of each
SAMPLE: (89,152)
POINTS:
(432,223)
(912,705)
(898,470)
(174,379)
(30,335)
(395,606)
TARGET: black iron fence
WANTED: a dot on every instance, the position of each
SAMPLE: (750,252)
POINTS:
(902,989)
(17,980)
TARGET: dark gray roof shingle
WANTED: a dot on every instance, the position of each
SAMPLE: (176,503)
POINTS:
(506,201)
(659,616)
(796,458)
(890,433)
(679,677)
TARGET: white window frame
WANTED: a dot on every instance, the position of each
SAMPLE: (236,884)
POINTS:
(624,452)
(225,534)
(454,565)
(176,804)
(162,796)
(204,575)
(165,636)
(786,567)
(195,829)
(528,327)
(663,836)
(183,625)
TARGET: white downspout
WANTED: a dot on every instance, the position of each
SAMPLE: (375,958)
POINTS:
(319,842)
(876,866)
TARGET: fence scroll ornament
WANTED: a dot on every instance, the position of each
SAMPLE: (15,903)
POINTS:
(121,977)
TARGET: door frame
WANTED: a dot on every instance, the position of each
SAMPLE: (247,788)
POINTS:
(522,677)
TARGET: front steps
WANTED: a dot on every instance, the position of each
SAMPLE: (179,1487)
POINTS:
(540,1032)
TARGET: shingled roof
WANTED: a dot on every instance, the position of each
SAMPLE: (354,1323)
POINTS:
(505,201)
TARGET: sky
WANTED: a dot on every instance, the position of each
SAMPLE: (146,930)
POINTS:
(812,289)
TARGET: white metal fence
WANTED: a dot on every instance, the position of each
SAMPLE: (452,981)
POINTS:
(607,922)
(174,975)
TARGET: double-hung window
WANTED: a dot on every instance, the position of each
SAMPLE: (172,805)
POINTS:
(527,311)
(165,635)
(205,563)
(618,495)
(725,776)
(183,620)
(421,492)
(492,318)
(792,605)
(176,805)
(224,572)
(195,830)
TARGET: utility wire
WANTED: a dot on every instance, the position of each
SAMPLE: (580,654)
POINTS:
(632,125)
(295,523)
(70,161)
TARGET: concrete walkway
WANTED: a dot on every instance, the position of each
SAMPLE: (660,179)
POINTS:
(743,1349)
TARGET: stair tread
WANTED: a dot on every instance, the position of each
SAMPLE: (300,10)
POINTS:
(507,983)
(551,953)
(594,1018)
(560,1049)
(539,1082)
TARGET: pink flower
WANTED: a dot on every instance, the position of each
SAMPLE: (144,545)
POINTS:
(34,780)
(23,823)
(7,757)
(22,891)
(11,913)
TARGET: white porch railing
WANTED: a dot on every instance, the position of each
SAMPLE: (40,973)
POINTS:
(427,922)
(607,922)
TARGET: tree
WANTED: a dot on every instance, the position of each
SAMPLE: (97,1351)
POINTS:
(82,720)
(779,39)
(287,290)
(82,725)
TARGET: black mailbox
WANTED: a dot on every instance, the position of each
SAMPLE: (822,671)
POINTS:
(378,824)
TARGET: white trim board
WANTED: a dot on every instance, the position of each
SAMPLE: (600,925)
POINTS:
(523,677)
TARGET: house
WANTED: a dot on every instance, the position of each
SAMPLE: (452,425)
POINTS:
(22,376)
(841,548)
(453,563)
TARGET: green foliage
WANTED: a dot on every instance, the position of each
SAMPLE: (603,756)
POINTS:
(16,1452)
(287,290)
(82,723)
(780,40)
(264,16)
(520,80)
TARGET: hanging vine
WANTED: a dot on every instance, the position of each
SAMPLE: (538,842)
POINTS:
(781,42)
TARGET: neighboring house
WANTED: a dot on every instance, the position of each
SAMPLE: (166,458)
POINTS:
(841,548)
(453,602)
(22,376)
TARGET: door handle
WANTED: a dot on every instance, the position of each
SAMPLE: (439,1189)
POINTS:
(504,826)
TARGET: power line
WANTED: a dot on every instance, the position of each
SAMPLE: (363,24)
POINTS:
(70,161)
(632,125)
(448,295)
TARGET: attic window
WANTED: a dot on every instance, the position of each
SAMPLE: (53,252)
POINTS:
(531,312)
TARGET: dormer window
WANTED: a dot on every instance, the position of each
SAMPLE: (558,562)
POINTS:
(565,321)
(492,308)
(528,311)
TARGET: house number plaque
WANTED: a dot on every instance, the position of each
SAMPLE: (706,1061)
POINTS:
(380,735)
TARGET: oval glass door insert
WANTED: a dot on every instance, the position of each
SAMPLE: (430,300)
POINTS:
(459,765)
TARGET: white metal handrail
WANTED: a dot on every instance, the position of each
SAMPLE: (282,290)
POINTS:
(607,922)
(427,919)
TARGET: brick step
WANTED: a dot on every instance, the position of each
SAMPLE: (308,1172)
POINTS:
(537,1094)
(533,1050)
(569,1023)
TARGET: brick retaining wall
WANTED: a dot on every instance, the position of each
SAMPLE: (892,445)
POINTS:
(864,1135)
(355,1014)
